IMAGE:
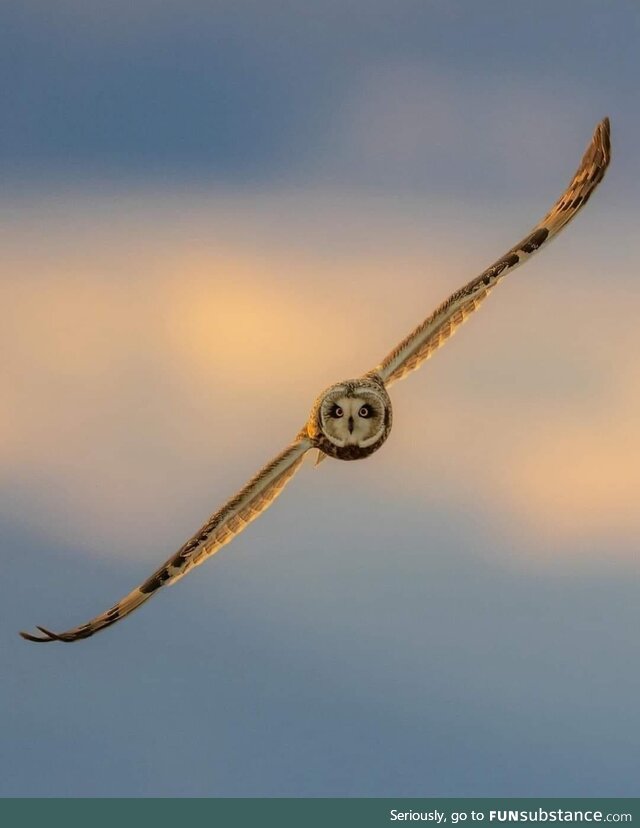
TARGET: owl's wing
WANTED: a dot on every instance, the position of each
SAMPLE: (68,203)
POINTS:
(221,527)
(435,330)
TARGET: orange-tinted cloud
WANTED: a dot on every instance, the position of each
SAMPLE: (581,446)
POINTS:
(150,366)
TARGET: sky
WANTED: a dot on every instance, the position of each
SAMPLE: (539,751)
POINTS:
(210,212)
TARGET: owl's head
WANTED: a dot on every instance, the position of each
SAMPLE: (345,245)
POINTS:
(351,419)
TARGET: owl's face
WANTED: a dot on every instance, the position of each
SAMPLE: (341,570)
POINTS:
(351,419)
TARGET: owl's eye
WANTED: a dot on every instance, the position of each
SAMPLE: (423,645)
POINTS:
(365,411)
(336,412)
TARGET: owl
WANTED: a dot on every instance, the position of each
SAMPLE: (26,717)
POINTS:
(352,419)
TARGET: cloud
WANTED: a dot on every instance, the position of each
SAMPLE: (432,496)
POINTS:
(407,124)
(156,359)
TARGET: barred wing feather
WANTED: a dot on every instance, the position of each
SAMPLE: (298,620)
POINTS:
(437,328)
(258,494)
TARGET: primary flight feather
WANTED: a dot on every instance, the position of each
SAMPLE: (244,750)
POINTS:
(352,419)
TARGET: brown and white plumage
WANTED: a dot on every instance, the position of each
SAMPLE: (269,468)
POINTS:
(437,328)
(331,428)
(258,494)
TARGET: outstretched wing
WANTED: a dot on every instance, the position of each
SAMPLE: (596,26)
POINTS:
(435,330)
(221,527)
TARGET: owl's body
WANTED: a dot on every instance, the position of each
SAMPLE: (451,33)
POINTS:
(352,419)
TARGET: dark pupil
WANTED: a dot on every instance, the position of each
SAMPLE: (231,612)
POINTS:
(365,411)
(336,412)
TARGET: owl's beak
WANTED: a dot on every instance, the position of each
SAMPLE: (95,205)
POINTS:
(350,424)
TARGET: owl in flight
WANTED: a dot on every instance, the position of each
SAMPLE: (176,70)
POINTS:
(352,419)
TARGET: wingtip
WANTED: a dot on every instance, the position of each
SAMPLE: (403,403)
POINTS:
(602,135)
(45,638)
(39,639)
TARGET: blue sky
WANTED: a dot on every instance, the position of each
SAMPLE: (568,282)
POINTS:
(263,92)
(212,211)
